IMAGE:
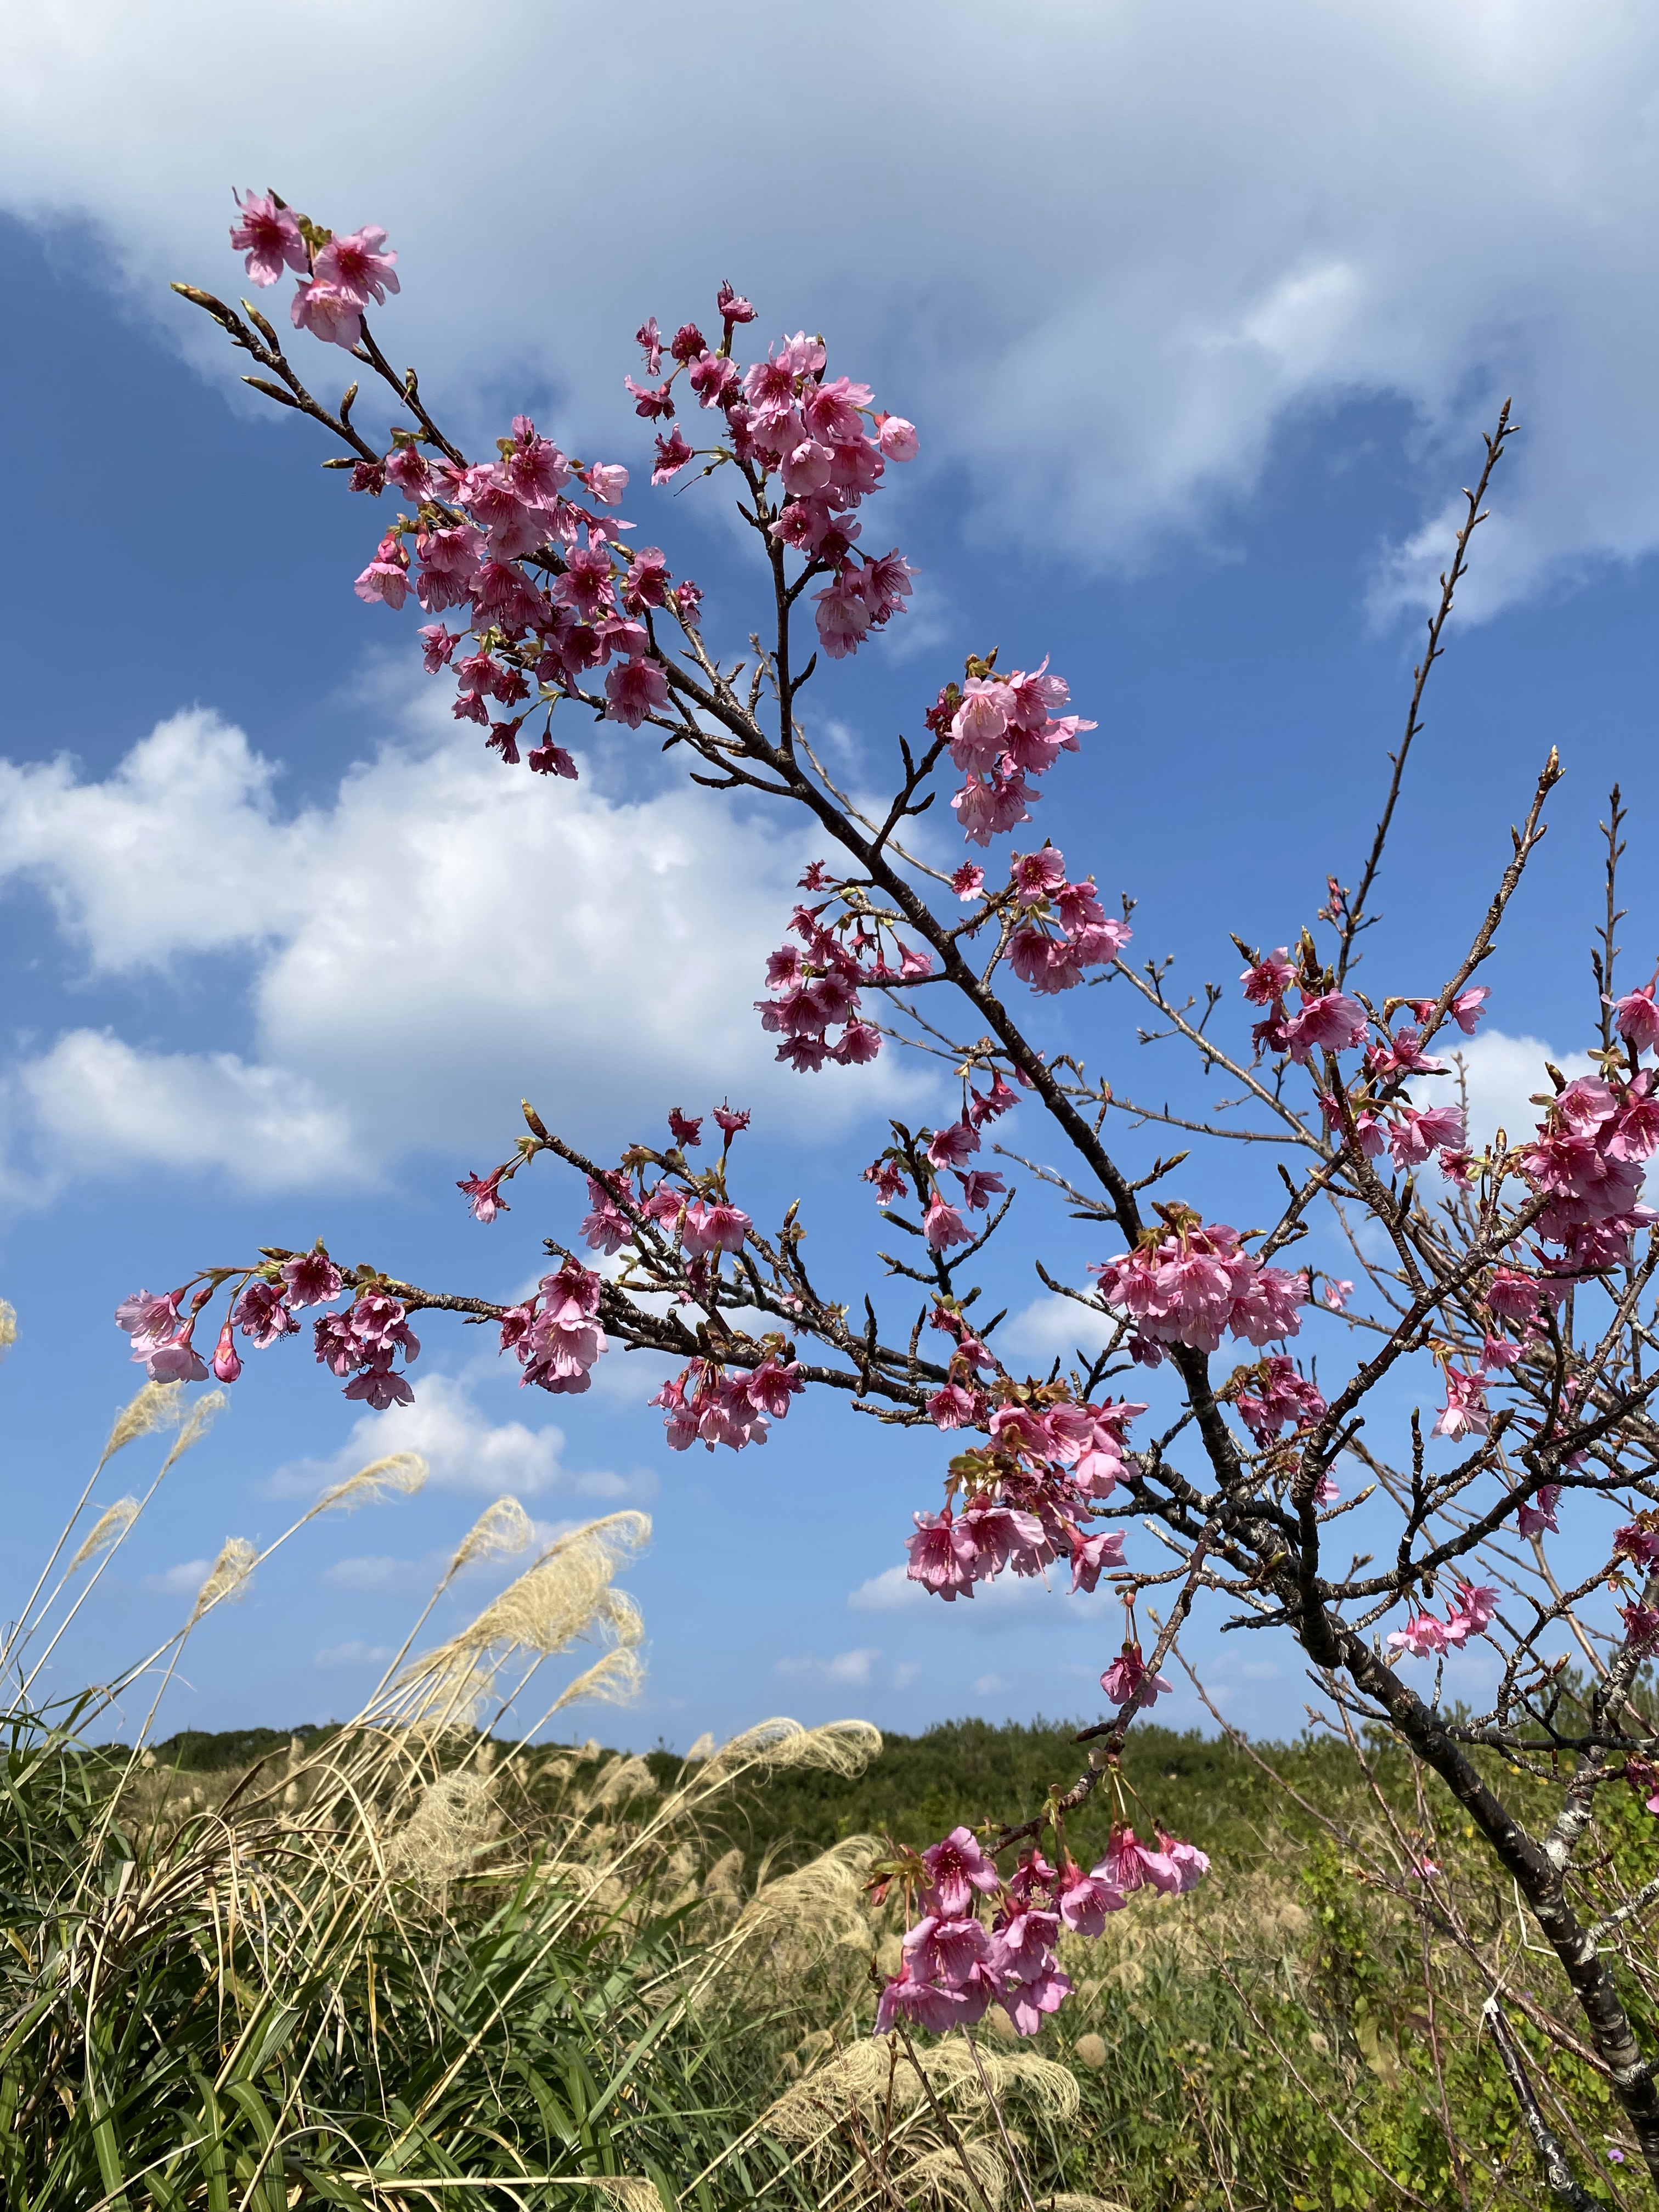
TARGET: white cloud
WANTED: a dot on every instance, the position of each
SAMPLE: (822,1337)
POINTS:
(354,1654)
(1102,293)
(857,1670)
(991,1685)
(1053,1328)
(438,896)
(854,1668)
(1022,1601)
(182,1581)
(94,1097)
(1502,1074)
(375,1570)
(464,1450)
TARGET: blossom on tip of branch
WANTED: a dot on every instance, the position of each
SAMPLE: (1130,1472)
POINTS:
(329,311)
(634,690)
(1464,1411)
(270,237)
(1637,1019)
(955,1869)
(484,1195)
(1127,1677)
(313,1279)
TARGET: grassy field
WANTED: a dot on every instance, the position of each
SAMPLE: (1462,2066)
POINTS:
(407,1963)
(1285,2037)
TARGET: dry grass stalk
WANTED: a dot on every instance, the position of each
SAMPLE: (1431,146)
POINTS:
(400,1474)
(155,1406)
(112,1524)
(228,1577)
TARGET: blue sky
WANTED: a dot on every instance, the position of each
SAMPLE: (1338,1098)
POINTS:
(1199,358)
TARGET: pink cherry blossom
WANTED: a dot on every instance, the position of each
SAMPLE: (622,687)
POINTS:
(1127,1678)
(714,1227)
(943,1225)
(673,454)
(329,311)
(955,1869)
(1473,1609)
(942,1555)
(376,1385)
(899,441)
(981,723)
(175,1360)
(1423,1637)
(270,236)
(923,2004)
(356,264)
(1128,1865)
(1637,1017)
(225,1364)
(1464,1411)
(260,1314)
(634,690)
(1337,1293)
(968,881)
(149,1321)
(1639,1544)
(651,401)
(607,481)
(1414,1136)
(1084,1899)
(313,1279)
(1191,1864)
(979,1187)
(1331,1022)
(1465,1008)
(952,1146)
(1270,978)
(843,616)
(953,1408)
(1091,1555)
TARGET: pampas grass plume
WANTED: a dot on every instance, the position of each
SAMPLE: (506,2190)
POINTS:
(228,1579)
(400,1474)
(108,1528)
(156,1406)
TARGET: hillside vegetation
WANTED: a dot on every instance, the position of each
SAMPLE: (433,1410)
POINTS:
(687,1955)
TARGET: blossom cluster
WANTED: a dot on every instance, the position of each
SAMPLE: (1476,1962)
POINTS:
(339,275)
(555,1336)
(526,543)
(710,1404)
(801,436)
(1191,1282)
(815,984)
(1048,1463)
(955,1965)
(1589,1159)
(1323,1020)
(1427,1638)
(1065,929)
(361,1345)
(1000,731)
(938,1152)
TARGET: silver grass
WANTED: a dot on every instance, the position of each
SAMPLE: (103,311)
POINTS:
(400,1474)
(228,1577)
(108,1528)
(196,1423)
(155,1406)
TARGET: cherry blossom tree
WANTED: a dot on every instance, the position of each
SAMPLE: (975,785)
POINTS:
(1507,1287)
